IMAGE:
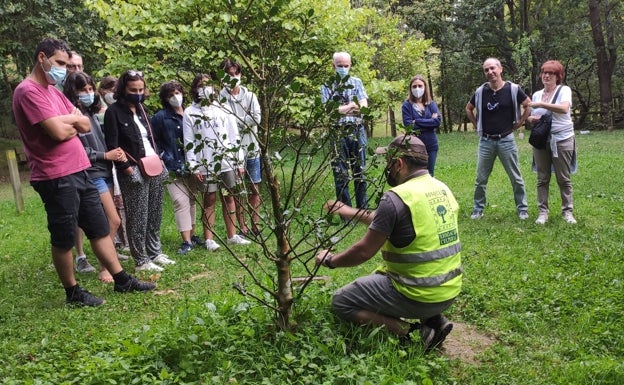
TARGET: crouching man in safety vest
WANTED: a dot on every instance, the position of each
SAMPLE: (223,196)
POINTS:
(415,226)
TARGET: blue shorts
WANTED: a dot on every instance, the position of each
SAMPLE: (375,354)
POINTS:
(72,201)
(252,170)
(103,184)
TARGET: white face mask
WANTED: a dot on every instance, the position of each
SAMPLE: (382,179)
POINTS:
(229,85)
(418,92)
(109,98)
(205,92)
(176,100)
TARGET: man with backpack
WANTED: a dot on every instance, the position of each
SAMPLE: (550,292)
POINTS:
(497,104)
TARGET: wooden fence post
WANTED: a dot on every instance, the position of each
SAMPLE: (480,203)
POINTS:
(16,183)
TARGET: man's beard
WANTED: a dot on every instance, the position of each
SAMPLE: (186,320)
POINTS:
(392,181)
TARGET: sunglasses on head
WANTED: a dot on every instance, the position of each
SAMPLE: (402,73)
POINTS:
(135,73)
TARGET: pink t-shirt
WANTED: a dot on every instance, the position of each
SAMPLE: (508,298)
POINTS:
(47,158)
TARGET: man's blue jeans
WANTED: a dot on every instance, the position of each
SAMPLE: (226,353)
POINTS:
(505,148)
(351,155)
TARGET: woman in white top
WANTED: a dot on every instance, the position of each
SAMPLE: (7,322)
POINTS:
(560,152)
(214,155)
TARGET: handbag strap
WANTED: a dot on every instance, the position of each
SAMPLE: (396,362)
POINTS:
(131,157)
(554,99)
(149,127)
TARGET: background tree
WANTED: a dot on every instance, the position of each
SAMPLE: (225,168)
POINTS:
(602,17)
(24,24)
(523,34)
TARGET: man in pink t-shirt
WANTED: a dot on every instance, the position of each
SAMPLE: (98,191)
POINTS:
(49,125)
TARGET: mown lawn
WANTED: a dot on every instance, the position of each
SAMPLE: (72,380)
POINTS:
(551,297)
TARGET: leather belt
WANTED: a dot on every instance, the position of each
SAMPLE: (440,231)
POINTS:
(496,136)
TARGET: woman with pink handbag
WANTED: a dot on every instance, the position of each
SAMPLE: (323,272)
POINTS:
(127,125)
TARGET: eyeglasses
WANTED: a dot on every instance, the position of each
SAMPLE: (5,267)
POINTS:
(135,73)
(342,65)
(492,106)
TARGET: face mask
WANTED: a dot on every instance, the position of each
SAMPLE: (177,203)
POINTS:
(342,71)
(55,75)
(392,181)
(135,99)
(176,100)
(109,98)
(229,84)
(86,99)
(205,92)
(418,92)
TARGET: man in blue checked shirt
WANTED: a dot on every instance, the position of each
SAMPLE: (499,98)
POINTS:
(350,150)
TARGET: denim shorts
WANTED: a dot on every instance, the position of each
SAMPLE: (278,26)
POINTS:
(103,184)
(252,170)
(72,201)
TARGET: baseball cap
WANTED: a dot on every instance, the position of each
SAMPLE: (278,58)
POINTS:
(408,145)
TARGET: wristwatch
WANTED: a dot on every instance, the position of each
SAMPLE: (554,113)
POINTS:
(328,259)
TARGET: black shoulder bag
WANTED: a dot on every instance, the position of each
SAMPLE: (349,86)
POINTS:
(540,132)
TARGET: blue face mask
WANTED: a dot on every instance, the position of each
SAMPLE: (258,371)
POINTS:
(134,99)
(55,74)
(86,99)
(342,71)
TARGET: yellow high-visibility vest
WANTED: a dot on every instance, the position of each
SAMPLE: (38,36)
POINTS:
(428,269)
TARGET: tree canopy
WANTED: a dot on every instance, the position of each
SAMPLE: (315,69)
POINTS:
(390,42)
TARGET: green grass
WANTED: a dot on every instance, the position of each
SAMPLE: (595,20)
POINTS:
(551,296)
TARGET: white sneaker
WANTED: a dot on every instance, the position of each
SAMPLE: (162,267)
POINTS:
(211,245)
(122,257)
(476,214)
(568,217)
(148,266)
(238,240)
(542,218)
(163,260)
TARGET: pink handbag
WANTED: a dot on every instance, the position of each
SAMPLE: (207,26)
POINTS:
(151,165)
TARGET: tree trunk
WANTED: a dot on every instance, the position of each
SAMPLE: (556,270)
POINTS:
(284,295)
(605,60)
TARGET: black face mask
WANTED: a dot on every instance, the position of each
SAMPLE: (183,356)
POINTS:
(392,181)
(134,99)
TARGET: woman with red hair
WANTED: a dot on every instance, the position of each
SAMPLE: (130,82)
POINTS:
(560,152)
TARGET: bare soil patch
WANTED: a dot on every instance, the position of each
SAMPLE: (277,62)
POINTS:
(466,343)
